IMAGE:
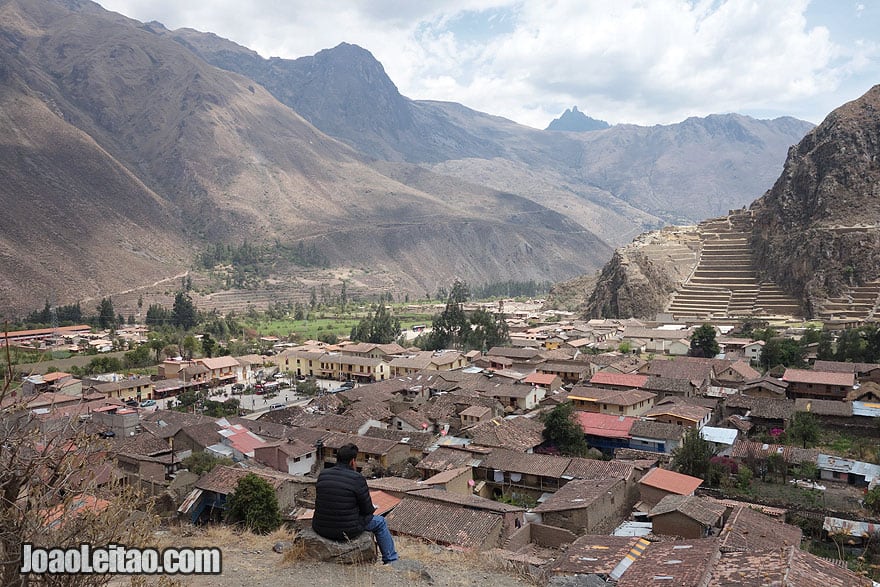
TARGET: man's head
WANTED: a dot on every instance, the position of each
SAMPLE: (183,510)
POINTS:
(347,453)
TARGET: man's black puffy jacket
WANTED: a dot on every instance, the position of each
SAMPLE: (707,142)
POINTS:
(343,506)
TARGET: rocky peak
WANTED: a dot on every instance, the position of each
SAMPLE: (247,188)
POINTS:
(573,120)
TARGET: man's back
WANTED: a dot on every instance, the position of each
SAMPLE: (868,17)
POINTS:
(342,503)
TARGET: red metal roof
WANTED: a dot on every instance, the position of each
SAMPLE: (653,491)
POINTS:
(606,425)
(671,481)
(540,378)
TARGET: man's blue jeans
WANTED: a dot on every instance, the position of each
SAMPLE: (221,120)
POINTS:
(383,538)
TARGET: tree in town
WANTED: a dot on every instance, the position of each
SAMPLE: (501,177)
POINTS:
(703,342)
(202,462)
(157,315)
(138,357)
(156,343)
(693,457)
(106,314)
(825,350)
(378,327)
(450,328)
(777,467)
(343,296)
(183,313)
(216,409)
(803,428)
(562,431)
(209,345)
(191,346)
(487,330)
(782,351)
(309,387)
(254,505)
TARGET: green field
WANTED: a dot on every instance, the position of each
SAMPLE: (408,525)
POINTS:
(324,323)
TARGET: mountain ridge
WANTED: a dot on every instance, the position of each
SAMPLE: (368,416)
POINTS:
(212,155)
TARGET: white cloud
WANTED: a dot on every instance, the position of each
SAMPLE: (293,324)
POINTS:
(626,61)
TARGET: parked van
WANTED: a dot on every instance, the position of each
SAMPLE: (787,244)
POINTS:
(277,407)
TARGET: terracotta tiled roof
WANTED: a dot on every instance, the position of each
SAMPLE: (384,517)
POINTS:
(520,434)
(605,425)
(615,397)
(593,555)
(762,407)
(687,368)
(564,367)
(628,380)
(533,464)
(656,430)
(747,529)
(473,501)
(416,440)
(670,481)
(364,443)
(444,477)
(203,435)
(839,367)
(226,362)
(819,377)
(395,484)
(222,479)
(501,388)
(823,407)
(682,563)
(443,522)
(746,449)
(785,567)
(705,511)
(146,443)
(579,494)
(743,369)
(691,412)
(445,458)
(767,382)
(514,353)
(580,468)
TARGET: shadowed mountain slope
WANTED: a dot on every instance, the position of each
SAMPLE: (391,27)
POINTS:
(145,154)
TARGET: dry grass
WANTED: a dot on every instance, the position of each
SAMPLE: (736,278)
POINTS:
(248,560)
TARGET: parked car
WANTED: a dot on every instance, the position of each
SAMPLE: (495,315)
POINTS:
(238,387)
(148,403)
(347,384)
(277,406)
(132,403)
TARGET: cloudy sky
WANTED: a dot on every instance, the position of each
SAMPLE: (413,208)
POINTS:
(643,62)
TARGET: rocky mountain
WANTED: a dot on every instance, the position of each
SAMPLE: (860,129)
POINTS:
(129,149)
(810,245)
(573,120)
(818,228)
(651,175)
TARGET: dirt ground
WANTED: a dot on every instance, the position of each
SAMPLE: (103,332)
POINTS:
(249,561)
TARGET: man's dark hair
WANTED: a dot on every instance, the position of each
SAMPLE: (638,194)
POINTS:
(346,453)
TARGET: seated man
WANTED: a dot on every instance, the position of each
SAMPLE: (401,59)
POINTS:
(343,507)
